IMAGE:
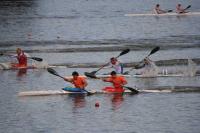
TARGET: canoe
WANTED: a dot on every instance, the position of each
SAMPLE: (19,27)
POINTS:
(164,14)
(158,89)
(62,92)
(7,66)
(139,76)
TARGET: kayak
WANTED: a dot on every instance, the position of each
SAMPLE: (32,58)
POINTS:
(63,92)
(139,76)
(159,89)
(7,66)
(164,14)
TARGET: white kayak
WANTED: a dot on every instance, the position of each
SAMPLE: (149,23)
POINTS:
(7,66)
(164,14)
(158,89)
(62,92)
(138,76)
(143,76)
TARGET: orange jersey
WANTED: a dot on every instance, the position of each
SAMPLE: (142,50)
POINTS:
(117,81)
(80,82)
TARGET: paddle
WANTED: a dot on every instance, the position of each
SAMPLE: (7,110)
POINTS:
(132,89)
(122,53)
(170,11)
(95,77)
(52,71)
(34,58)
(140,66)
(187,7)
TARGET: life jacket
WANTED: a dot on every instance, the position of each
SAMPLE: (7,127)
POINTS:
(79,82)
(117,83)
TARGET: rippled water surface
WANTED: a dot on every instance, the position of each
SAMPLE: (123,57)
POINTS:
(81,33)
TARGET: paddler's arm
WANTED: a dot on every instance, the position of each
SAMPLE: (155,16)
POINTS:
(68,79)
(124,82)
(106,79)
(85,84)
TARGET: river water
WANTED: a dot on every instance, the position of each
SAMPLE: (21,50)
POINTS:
(76,33)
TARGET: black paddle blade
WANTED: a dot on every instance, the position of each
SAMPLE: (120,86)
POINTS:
(52,71)
(154,50)
(90,75)
(187,7)
(89,93)
(170,11)
(126,73)
(124,52)
(1,54)
(132,90)
(36,58)
(93,72)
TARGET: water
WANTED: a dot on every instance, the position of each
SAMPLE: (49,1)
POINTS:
(85,32)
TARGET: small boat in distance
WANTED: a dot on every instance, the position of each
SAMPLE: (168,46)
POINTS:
(163,14)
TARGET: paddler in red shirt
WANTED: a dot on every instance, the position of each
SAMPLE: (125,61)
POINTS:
(117,81)
(21,57)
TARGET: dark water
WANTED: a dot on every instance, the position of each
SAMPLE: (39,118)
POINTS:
(82,32)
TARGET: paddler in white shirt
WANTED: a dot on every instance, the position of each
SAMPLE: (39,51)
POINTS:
(148,68)
(117,65)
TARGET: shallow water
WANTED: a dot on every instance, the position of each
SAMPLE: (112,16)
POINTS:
(90,32)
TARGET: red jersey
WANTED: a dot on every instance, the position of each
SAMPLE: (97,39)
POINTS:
(22,59)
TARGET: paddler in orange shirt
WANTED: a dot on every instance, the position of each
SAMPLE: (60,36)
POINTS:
(21,57)
(79,82)
(117,81)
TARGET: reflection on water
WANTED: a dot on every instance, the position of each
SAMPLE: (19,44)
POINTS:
(78,100)
(117,100)
(21,72)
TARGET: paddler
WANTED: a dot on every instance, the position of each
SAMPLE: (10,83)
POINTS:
(117,65)
(117,81)
(180,9)
(79,82)
(21,57)
(158,10)
(148,68)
